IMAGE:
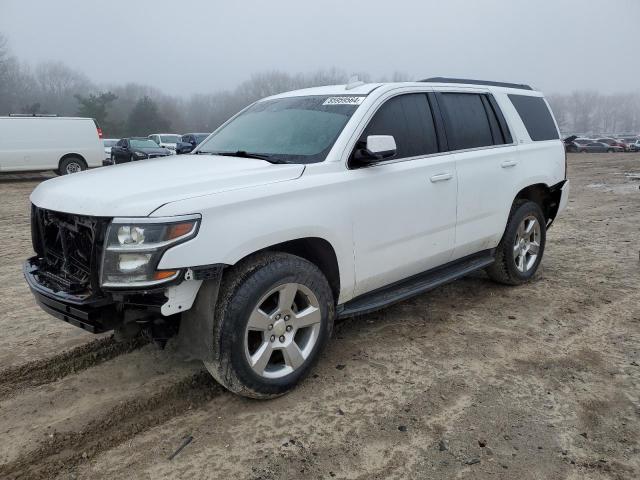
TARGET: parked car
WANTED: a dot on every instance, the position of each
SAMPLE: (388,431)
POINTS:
(574,144)
(629,143)
(63,144)
(599,147)
(307,206)
(636,146)
(136,148)
(615,144)
(189,141)
(108,143)
(166,140)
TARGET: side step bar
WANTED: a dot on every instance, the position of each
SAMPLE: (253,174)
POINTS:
(412,286)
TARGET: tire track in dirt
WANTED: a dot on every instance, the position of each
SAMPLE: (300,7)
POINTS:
(49,369)
(65,451)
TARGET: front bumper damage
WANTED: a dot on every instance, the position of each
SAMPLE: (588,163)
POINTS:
(95,314)
(186,308)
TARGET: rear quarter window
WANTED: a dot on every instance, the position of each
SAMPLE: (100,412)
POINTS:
(536,117)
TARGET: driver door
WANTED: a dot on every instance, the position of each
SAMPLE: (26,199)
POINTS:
(404,209)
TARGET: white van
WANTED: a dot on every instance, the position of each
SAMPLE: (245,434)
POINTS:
(64,144)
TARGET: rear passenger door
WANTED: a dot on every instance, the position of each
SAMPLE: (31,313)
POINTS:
(404,208)
(486,163)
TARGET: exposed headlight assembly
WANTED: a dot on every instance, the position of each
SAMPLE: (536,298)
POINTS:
(134,246)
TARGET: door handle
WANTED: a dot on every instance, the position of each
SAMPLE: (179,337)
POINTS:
(441,177)
(508,163)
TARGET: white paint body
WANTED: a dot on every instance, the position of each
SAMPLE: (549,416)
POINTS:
(385,222)
(39,143)
(157,137)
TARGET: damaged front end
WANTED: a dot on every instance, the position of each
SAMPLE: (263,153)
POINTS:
(66,278)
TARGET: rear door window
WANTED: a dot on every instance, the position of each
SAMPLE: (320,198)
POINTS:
(409,119)
(466,121)
(536,117)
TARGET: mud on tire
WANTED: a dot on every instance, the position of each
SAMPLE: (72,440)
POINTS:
(505,268)
(245,291)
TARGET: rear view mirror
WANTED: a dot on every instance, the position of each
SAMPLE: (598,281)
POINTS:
(378,147)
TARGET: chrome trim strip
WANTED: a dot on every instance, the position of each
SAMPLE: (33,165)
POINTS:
(174,219)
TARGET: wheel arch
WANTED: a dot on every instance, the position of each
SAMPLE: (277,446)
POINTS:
(316,250)
(548,198)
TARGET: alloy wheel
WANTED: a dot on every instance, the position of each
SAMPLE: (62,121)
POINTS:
(282,330)
(527,244)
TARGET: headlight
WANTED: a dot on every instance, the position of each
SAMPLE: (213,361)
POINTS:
(134,247)
(140,154)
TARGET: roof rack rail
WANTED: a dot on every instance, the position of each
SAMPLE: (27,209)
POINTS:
(33,115)
(520,86)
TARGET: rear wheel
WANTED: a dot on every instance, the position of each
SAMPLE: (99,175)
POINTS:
(274,316)
(71,165)
(519,253)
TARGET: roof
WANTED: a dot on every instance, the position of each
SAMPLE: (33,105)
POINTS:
(367,88)
(466,81)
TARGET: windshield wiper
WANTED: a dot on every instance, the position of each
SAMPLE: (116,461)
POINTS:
(244,154)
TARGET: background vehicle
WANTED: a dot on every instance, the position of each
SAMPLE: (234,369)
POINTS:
(166,140)
(630,143)
(615,144)
(189,141)
(636,146)
(136,148)
(599,147)
(108,143)
(307,206)
(574,144)
(63,144)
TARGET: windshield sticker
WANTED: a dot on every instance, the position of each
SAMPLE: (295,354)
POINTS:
(343,101)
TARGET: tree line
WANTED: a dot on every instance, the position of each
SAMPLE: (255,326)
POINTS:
(134,109)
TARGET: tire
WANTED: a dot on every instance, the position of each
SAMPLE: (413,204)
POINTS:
(255,290)
(610,150)
(70,165)
(515,263)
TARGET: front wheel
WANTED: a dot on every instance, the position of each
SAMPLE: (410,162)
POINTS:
(274,316)
(519,253)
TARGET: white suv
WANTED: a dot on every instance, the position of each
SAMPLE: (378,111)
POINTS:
(305,207)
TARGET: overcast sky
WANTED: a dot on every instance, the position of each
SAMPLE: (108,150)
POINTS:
(193,46)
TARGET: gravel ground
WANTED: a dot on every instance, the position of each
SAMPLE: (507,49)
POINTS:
(472,380)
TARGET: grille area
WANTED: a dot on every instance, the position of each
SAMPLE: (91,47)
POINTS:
(69,249)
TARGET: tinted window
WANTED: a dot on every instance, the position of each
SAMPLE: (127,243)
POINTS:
(466,121)
(408,118)
(536,117)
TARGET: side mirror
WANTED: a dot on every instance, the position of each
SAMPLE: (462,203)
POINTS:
(378,147)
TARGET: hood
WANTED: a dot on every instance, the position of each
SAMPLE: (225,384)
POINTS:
(136,189)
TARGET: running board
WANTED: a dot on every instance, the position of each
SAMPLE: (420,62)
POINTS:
(420,283)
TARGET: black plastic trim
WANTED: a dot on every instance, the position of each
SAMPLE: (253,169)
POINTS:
(466,81)
(93,314)
(415,285)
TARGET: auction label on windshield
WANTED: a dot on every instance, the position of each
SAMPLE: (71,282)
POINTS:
(343,101)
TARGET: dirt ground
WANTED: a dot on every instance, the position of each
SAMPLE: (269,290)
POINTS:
(472,380)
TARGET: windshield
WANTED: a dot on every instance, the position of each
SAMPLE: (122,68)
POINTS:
(169,138)
(143,144)
(201,137)
(292,129)
(109,143)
